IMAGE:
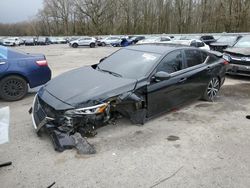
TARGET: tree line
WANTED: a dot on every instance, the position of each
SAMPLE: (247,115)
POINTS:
(104,17)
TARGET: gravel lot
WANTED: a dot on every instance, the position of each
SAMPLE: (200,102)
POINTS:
(212,150)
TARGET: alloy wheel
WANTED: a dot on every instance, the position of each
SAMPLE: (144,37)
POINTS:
(213,88)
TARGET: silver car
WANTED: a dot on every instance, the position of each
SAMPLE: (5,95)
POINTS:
(84,41)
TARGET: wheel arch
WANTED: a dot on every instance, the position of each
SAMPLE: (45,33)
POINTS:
(15,74)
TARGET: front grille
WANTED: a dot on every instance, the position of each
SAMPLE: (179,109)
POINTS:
(218,48)
(51,112)
(39,114)
(244,63)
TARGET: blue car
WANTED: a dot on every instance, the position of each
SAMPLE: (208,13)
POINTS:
(19,71)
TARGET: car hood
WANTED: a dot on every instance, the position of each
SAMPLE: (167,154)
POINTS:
(240,51)
(86,86)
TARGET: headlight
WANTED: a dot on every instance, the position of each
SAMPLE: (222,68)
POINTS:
(226,57)
(88,110)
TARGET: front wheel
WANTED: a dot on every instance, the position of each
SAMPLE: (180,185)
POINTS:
(212,89)
(13,88)
(92,45)
(74,45)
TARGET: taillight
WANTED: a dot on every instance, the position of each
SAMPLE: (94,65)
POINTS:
(42,63)
(225,62)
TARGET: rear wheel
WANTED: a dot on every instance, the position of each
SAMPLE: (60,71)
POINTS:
(103,44)
(13,88)
(92,45)
(75,45)
(212,89)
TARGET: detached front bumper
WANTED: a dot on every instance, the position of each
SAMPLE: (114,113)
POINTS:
(236,69)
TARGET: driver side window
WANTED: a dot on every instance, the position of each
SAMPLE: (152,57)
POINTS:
(171,63)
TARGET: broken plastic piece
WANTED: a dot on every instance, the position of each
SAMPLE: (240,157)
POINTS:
(61,141)
(82,145)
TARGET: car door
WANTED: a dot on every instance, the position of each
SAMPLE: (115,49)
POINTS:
(3,63)
(196,73)
(167,94)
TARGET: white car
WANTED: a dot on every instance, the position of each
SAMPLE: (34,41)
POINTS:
(154,39)
(193,42)
(11,41)
(84,41)
(108,40)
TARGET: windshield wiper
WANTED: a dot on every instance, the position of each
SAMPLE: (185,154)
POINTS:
(110,72)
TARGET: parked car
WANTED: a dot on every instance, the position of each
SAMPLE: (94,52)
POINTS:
(136,39)
(42,41)
(30,42)
(123,42)
(52,40)
(137,82)
(224,42)
(108,40)
(154,39)
(61,40)
(238,57)
(84,41)
(11,41)
(18,71)
(194,43)
(207,39)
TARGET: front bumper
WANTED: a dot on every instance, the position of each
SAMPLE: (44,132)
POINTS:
(236,69)
(39,116)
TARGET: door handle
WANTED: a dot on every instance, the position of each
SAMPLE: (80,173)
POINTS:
(182,80)
(2,63)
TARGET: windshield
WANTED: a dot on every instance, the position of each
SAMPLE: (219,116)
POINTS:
(227,39)
(244,42)
(130,63)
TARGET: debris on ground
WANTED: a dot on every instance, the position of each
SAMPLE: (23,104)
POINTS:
(5,164)
(51,185)
(82,145)
(173,138)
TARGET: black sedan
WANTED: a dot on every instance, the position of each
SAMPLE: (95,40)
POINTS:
(238,57)
(137,82)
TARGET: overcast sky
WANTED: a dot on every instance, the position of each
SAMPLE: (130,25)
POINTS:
(12,11)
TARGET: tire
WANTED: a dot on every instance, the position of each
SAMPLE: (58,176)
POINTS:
(103,44)
(92,45)
(212,89)
(13,88)
(75,45)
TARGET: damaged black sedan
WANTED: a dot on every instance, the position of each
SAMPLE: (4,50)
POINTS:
(137,82)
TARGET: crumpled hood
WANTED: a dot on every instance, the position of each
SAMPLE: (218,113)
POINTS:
(86,86)
(220,44)
(240,51)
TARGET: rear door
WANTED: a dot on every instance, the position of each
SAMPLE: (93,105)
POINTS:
(197,73)
(3,63)
(165,95)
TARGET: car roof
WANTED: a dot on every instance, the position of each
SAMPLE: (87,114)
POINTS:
(156,48)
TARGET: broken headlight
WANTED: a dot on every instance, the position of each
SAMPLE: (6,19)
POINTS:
(226,57)
(88,110)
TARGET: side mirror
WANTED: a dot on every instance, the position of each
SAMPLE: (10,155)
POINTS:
(160,76)
(101,60)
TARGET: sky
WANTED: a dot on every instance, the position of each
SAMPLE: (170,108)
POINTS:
(13,11)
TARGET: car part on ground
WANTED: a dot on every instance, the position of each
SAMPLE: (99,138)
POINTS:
(18,70)
(148,80)
(238,57)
